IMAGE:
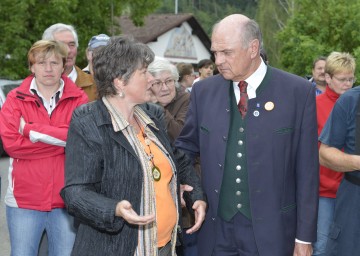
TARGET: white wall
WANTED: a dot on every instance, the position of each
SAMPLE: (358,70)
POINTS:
(164,43)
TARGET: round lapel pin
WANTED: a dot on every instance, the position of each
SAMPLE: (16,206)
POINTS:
(269,106)
(256,113)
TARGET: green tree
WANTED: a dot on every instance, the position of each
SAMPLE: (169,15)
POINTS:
(318,28)
(22,23)
(272,16)
(207,12)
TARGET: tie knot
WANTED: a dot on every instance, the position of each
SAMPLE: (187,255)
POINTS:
(243,86)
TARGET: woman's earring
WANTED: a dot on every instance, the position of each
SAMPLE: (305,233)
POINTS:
(121,94)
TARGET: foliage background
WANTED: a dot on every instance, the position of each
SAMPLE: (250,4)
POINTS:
(22,23)
(318,27)
(295,32)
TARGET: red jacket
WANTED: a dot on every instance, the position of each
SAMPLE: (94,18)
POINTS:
(37,161)
(329,179)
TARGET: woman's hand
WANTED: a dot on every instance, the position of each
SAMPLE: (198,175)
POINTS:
(22,124)
(125,211)
(199,209)
(184,188)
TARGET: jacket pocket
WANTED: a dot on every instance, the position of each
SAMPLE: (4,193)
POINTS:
(204,129)
(284,130)
(288,208)
(334,231)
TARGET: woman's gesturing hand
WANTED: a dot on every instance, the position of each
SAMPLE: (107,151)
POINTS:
(125,211)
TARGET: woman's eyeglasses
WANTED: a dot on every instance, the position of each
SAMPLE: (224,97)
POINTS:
(351,80)
(158,83)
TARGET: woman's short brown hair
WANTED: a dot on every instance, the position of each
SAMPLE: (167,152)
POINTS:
(43,48)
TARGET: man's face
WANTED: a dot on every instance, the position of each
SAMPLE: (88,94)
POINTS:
(318,72)
(67,38)
(233,61)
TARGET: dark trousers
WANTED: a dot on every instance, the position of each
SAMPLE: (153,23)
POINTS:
(190,244)
(235,237)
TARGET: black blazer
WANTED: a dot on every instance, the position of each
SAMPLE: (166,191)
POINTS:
(102,169)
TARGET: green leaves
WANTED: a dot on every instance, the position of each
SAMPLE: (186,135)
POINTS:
(22,23)
(317,28)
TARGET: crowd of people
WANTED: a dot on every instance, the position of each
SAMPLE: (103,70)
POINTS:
(134,155)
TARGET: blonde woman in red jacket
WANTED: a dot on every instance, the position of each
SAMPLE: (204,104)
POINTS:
(34,123)
(340,77)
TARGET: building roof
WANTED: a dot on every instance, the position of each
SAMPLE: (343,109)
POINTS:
(157,24)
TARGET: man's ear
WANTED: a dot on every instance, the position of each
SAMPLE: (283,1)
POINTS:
(254,48)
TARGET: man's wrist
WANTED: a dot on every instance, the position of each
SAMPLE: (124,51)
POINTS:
(301,242)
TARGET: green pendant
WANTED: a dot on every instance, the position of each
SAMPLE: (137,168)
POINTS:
(156,173)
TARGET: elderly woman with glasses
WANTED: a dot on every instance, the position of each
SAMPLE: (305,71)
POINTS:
(168,94)
(122,174)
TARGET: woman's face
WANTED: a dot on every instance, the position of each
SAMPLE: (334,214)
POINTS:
(341,81)
(138,88)
(163,87)
(206,71)
(47,70)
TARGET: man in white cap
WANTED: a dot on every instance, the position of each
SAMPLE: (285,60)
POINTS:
(94,43)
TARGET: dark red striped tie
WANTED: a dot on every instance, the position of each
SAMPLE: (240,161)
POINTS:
(243,103)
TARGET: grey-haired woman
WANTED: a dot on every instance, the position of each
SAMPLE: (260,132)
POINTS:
(122,175)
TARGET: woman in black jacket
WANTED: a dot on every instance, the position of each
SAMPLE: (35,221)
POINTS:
(122,175)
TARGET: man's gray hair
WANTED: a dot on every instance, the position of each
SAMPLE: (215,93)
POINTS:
(249,31)
(59,27)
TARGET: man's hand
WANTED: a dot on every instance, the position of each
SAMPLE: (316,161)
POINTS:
(302,249)
(199,209)
(125,210)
